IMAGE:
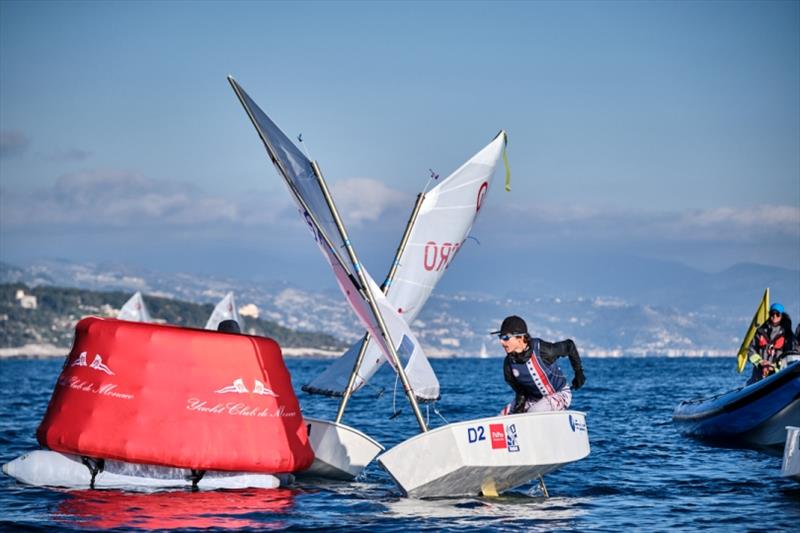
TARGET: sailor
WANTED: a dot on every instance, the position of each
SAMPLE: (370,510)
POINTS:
(772,339)
(532,371)
(229,326)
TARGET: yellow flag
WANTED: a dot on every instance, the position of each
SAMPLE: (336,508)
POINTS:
(761,316)
(505,162)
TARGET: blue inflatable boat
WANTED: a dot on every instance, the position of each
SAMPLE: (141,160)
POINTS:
(755,415)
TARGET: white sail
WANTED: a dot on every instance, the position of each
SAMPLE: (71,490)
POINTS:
(134,310)
(225,310)
(298,173)
(445,219)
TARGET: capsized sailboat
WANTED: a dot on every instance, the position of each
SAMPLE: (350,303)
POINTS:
(224,310)
(135,309)
(439,225)
(332,441)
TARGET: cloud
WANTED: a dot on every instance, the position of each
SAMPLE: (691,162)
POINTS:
(696,225)
(73,154)
(13,143)
(361,200)
(112,198)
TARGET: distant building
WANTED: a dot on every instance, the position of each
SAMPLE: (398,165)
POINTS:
(250,310)
(26,301)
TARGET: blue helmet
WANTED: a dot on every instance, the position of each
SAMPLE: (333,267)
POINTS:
(777,307)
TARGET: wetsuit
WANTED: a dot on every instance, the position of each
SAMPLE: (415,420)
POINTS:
(537,380)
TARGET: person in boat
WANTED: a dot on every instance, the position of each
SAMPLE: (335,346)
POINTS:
(531,369)
(229,326)
(772,340)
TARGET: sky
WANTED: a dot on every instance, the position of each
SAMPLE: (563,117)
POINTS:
(663,130)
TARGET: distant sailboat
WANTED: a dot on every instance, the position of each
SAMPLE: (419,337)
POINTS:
(225,310)
(484,354)
(135,310)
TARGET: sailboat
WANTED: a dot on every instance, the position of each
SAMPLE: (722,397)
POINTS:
(342,451)
(463,458)
(224,310)
(135,310)
(437,229)
(484,353)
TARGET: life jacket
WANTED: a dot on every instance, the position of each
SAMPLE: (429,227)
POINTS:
(537,378)
(777,342)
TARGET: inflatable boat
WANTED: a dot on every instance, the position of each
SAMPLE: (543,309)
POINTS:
(147,405)
(754,415)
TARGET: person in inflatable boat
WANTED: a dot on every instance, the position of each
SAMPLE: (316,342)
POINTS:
(532,371)
(772,340)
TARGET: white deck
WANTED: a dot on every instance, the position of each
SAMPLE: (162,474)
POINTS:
(487,456)
(340,452)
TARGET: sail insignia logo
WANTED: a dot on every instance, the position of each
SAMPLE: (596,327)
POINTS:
(96,364)
(497,432)
(576,425)
(511,438)
(504,437)
(238,386)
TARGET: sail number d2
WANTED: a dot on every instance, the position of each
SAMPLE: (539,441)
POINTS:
(439,256)
(476,434)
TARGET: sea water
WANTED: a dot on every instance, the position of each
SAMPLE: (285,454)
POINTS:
(641,473)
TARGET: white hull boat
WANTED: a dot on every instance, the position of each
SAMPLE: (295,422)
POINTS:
(340,452)
(487,456)
(791,453)
(46,468)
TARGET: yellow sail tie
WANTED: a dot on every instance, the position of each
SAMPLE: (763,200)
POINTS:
(505,163)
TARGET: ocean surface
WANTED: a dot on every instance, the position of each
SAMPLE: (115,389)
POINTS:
(641,474)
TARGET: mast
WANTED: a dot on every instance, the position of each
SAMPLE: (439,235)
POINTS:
(348,391)
(370,299)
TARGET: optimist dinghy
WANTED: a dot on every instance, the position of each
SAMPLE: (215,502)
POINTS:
(381,319)
(135,309)
(224,310)
(439,225)
(487,456)
(342,452)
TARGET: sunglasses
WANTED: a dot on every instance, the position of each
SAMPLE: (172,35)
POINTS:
(507,337)
(774,313)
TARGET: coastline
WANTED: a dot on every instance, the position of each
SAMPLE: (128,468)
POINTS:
(50,351)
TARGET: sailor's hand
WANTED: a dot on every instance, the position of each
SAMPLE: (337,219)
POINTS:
(579,380)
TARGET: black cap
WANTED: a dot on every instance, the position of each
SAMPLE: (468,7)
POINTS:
(229,326)
(512,325)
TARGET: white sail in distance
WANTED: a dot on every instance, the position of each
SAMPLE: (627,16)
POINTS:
(445,219)
(224,310)
(305,189)
(135,310)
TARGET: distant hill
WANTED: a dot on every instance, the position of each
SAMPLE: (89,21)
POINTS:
(611,306)
(58,309)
